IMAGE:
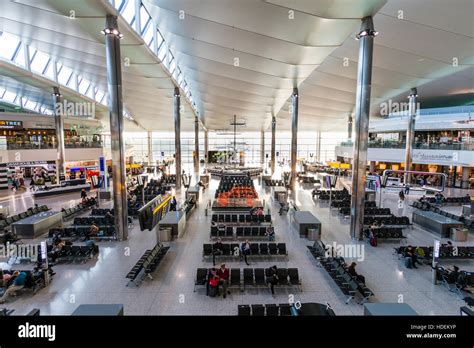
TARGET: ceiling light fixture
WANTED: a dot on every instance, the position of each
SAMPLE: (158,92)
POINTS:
(113,31)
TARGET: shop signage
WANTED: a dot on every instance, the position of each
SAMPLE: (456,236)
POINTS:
(26,163)
(11,124)
(435,157)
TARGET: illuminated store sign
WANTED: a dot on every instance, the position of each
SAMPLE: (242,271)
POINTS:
(11,124)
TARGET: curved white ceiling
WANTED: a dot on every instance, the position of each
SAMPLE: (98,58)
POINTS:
(280,44)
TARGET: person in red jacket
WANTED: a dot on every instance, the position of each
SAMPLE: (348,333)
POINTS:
(223,274)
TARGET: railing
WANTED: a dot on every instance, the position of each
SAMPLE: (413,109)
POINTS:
(44,146)
(427,146)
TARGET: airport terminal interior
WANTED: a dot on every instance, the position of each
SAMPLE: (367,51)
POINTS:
(237,157)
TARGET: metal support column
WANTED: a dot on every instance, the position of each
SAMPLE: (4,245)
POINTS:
(349,128)
(114,79)
(318,147)
(262,149)
(294,135)
(196,147)
(362,109)
(177,135)
(410,137)
(59,125)
(466,172)
(206,148)
(272,155)
(150,147)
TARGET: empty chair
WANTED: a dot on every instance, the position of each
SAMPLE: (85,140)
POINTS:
(268,218)
(201,277)
(221,218)
(240,231)
(261,218)
(271,310)
(281,248)
(243,310)
(248,218)
(282,274)
(229,231)
(234,218)
(235,277)
(258,310)
(255,231)
(248,276)
(247,231)
(207,249)
(214,217)
(227,218)
(226,249)
(272,248)
(294,276)
(241,218)
(285,309)
(263,249)
(254,250)
(254,218)
(259,276)
(262,231)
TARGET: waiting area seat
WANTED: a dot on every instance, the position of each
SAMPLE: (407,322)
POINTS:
(269,310)
(350,286)
(384,233)
(147,264)
(253,277)
(236,233)
(256,249)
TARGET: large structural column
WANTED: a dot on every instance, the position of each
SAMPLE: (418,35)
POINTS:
(272,155)
(318,147)
(114,79)
(349,128)
(362,109)
(177,135)
(196,147)
(410,137)
(150,147)
(466,171)
(294,134)
(59,125)
(206,148)
(262,149)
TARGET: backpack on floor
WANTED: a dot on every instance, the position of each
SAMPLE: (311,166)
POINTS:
(212,291)
(373,241)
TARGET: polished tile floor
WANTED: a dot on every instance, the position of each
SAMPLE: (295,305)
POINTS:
(171,291)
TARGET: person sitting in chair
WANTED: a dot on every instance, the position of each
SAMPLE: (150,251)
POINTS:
(18,284)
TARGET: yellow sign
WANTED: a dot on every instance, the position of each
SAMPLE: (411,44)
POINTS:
(162,204)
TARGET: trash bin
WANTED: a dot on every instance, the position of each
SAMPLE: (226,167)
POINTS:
(313,234)
(459,234)
(165,234)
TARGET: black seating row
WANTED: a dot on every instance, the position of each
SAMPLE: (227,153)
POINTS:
(449,200)
(435,209)
(387,220)
(34,280)
(256,249)
(445,252)
(69,212)
(147,263)
(462,281)
(337,269)
(368,211)
(241,218)
(74,252)
(274,182)
(230,232)
(269,310)
(14,218)
(101,212)
(74,232)
(252,277)
(385,233)
(346,203)
(89,220)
